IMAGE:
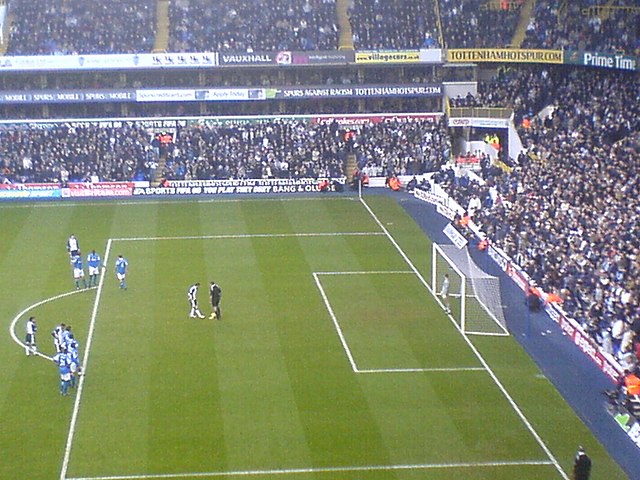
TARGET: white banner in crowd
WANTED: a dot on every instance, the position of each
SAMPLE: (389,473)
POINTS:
(108,62)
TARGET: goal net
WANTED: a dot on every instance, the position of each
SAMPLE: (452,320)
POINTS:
(473,299)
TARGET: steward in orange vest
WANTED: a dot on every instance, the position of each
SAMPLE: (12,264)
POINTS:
(394,184)
(323,185)
(632,384)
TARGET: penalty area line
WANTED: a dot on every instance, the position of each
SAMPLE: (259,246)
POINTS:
(343,340)
(293,471)
(423,370)
(252,235)
(368,272)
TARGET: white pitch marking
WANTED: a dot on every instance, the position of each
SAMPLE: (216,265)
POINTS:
(369,272)
(473,348)
(12,327)
(85,358)
(343,338)
(293,471)
(251,235)
(335,323)
(420,370)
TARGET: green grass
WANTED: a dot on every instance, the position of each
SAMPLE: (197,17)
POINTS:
(303,377)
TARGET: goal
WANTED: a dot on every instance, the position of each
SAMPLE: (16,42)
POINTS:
(473,295)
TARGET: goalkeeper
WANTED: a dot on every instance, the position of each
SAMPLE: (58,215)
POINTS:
(444,293)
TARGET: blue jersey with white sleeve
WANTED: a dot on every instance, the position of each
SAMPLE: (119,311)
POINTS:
(93,260)
(63,360)
(72,349)
(121,265)
(76,261)
(67,336)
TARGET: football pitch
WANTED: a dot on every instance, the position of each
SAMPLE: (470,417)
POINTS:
(332,359)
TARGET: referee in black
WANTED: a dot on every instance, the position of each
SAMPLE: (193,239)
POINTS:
(215,294)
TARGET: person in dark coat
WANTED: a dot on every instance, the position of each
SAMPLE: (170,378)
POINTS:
(215,294)
(582,465)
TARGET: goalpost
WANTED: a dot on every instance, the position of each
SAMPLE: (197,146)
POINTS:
(474,295)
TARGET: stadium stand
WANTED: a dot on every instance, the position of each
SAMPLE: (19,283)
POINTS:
(585,25)
(402,24)
(478,23)
(71,27)
(279,148)
(59,153)
(265,77)
(392,149)
(121,26)
(505,90)
(238,25)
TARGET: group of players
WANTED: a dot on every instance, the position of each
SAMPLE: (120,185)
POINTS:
(93,262)
(67,357)
(215,294)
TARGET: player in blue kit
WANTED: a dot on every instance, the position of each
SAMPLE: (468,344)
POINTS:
(65,336)
(121,271)
(74,356)
(63,360)
(78,271)
(93,262)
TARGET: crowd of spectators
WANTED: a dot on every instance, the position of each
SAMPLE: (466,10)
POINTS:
(403,24)
(504,90)
(556,24)
(269,148)
(252,26)
(61,153)
(120,26)
(278,148)
(478,23)
(569,211)
(291,148)
(401,148)
(70,27)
